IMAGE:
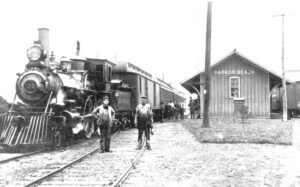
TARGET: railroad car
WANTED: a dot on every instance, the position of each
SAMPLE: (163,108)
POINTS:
(144,83)
(293,99)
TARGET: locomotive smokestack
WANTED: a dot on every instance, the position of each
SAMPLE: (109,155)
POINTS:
(44,38)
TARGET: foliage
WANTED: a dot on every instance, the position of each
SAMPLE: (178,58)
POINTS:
(4,105)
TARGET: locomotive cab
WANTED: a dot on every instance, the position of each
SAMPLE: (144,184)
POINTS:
(101,73)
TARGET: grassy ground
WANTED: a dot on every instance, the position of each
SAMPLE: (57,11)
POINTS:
(254,131)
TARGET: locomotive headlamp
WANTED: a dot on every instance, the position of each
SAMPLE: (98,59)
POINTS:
(35,53)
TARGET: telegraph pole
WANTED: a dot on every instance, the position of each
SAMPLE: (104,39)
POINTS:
(207,67)
(284,97)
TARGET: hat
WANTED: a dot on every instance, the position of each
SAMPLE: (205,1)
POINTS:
(105,97)
(143,96)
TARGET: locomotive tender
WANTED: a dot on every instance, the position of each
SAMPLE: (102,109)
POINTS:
(54,101)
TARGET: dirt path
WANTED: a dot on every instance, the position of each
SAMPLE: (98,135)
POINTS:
(177,159)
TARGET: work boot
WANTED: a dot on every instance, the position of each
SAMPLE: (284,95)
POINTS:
(101,150)
(148,145)
(152,133)
(139,145)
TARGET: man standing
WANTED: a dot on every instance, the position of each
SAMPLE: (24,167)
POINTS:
(105,115)
(192,108)
(162,111)
(182,110)
(143,119)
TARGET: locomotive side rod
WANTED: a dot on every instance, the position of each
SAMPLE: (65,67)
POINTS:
(39,180)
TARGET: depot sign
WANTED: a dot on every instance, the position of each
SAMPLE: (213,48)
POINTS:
(234,72)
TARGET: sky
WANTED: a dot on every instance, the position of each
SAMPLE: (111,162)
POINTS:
(163,37)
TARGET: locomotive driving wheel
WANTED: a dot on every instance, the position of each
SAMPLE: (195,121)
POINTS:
(89,123)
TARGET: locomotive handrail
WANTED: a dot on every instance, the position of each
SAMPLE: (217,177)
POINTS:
(12,105)
(42,113)
(48,102)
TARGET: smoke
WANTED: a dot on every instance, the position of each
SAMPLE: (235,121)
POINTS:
(60,97)
(77,128)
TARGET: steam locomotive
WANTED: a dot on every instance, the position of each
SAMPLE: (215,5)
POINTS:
(54,101)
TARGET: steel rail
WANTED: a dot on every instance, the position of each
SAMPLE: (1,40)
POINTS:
(20,156)
(39,180)
(35,152)
(119,181)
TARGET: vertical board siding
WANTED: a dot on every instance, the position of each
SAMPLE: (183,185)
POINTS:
(253,87)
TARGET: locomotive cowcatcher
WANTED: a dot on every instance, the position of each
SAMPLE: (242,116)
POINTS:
(53,101)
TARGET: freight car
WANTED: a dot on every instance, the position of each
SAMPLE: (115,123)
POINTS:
(144,83)
(293,99)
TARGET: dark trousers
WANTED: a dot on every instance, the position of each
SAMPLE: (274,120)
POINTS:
(192,114)
(161,117)
(144,128)
(105,131)
(141,132)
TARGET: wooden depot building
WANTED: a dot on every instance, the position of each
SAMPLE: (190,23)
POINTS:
(236,77)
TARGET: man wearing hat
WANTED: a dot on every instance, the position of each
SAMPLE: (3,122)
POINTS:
(105,115)
(143,120)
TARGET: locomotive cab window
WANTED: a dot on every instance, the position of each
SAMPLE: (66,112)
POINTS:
(65,65)
(234,87)
(109,73)
(78,65)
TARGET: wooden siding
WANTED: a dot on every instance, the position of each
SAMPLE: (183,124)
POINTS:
(254,87)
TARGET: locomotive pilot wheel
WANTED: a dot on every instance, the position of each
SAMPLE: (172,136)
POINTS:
(89,123)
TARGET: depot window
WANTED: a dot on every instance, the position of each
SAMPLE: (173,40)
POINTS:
(234,87)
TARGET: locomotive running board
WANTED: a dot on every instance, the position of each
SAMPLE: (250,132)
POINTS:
(29,132)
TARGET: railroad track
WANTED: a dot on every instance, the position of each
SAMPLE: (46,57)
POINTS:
(127,171)
(44,177)
(5,160)
(20,156)
(94,169)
